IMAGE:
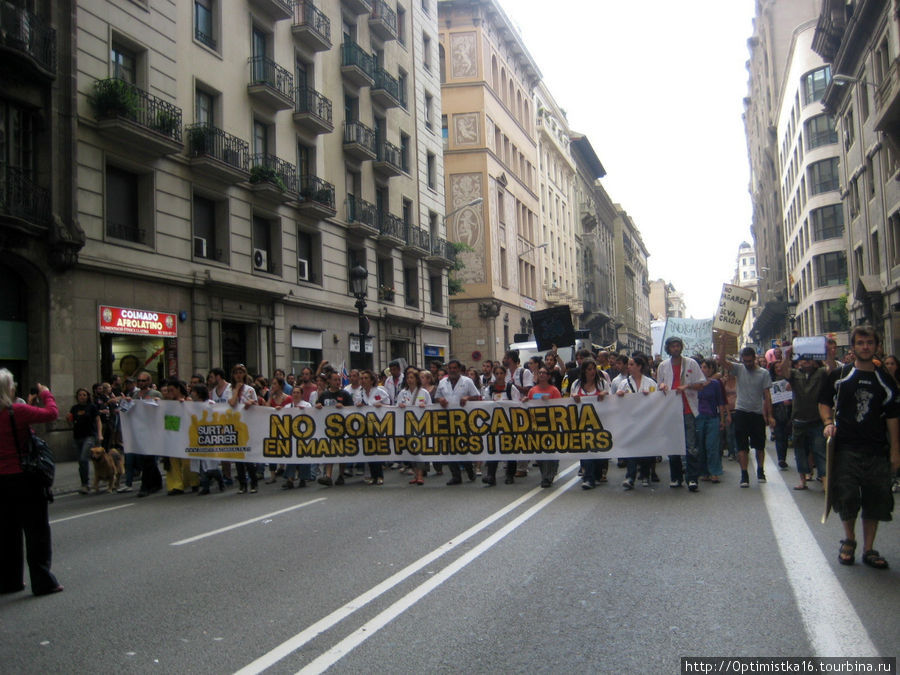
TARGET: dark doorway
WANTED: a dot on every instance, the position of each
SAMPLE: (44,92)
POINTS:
(234,344)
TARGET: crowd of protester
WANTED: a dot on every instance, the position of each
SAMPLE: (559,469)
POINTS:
(709,417)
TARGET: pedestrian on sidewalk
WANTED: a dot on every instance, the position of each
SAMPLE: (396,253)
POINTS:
(87,433)
(23,502)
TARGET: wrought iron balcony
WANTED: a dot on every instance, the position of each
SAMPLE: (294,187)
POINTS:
(270,84)
(357,65)
(22,199)
(387,159)
(358,6)
(128,113)
(442,252)
(317,196)
(312,111)
(391,228)
(27,35)
(359,141)
(126,232)
(273,177)
(216,152)
(311,27)
(383,21)
(386,89)
(418,241)
(277,9)
(362,215)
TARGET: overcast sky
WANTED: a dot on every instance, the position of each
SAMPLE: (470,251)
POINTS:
(658,87)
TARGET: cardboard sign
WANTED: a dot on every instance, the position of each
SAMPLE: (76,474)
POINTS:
(553,327)
(696,334)
(732,310)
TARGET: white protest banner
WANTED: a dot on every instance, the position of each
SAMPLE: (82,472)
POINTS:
(732,310)
(696,334)
(809,347)
(614,427)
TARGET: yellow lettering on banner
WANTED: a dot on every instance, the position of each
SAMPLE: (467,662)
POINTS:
(380,427)
(478,421)
(376,446)
(303,426)
(279,426)
(415,426)
(276,447)
(500,422)
(325,447)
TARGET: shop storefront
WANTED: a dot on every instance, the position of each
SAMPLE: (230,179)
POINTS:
(132,340)
(434,353)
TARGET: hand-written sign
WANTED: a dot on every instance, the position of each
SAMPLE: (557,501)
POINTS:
(732,309)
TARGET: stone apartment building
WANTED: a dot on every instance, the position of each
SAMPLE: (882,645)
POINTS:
(196,190)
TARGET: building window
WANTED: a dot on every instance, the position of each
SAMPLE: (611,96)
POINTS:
(411,286)
(428,106)
(849,129)
(823,176)
(404,152)
(402,80)
(266,245)
(124,63)
(432,171)
(819,130)
(425,6)
(204,108)
(385,274)
(504,270)
(827,222)
(436,291)
(831,319)
(126,193)
(814,83)
(426,52)
(445,132)
(401,25)
(206,240)
(830,269)
(203,22)
(407,212)
(876,252)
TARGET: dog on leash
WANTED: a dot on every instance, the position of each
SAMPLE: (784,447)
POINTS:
(108,466)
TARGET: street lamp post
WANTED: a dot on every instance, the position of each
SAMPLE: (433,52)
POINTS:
(359,283)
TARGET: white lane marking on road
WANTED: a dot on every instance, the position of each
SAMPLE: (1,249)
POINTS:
(832,625)
(341,613)
(356,638)
(244,522)
(90,513)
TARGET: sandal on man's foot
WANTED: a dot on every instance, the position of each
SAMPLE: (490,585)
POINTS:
(847,552)
(873,558)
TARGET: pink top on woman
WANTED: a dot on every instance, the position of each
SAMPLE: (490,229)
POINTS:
(25,415)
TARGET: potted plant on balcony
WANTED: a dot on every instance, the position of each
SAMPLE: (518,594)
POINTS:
(115,98)
(165,123)
(198,137)
(386,293)
(266,174)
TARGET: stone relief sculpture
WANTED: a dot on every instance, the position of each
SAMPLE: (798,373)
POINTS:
(463,55)
(466,129)
(467,226)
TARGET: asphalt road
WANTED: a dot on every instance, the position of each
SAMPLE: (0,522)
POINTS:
(437,579)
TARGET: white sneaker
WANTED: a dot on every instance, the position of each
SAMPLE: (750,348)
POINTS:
(124,488)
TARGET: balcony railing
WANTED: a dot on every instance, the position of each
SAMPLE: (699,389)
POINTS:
(387,155)
(390,225)
(267,168)
(114,98)
(383,20)
(310,101)
(819,138)
(21,198)
(359,137)
(264,70)
(352,55)
(306,14)
(418,238)
(28,34)
(209,141)
(126,232)
(388,84)
(314,189)
(362,212)
(442,248)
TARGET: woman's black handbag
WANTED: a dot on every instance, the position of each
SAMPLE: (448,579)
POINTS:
(36,457)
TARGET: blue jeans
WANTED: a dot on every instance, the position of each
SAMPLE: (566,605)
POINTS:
(808,439)
(690,470)
(83,449)
(709,456)
(781,431)
(302,471)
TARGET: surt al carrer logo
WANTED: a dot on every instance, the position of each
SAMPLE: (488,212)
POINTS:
(221,436)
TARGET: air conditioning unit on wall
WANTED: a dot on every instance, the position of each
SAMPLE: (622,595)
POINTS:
(260,259)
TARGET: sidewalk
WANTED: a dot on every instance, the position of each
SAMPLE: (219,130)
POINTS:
(67,479)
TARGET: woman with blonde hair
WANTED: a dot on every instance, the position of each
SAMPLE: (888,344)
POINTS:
(23,501)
